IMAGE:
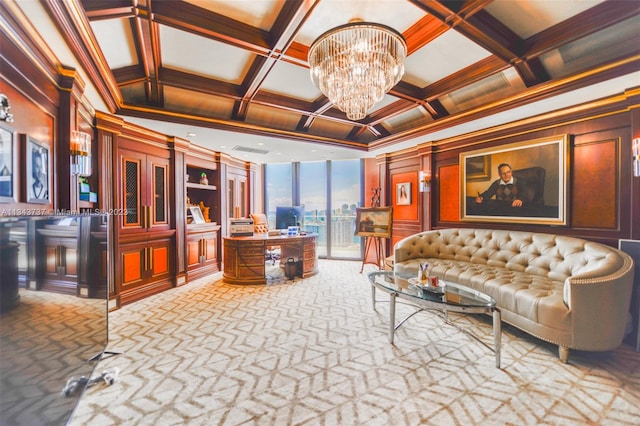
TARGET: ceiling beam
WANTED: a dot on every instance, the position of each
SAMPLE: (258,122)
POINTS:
(291,17)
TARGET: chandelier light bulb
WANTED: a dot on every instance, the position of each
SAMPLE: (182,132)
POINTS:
(356,64)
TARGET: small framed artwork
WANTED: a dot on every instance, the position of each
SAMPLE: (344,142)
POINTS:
(403,194)
(37,177)
(196,213)
(374,222)
(7,167)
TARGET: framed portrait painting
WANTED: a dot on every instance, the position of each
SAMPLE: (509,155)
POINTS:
(374,222)
(37,178)
(403,194)
(527,182)
(7,166)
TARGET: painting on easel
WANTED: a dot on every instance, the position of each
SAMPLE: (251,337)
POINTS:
(373,222)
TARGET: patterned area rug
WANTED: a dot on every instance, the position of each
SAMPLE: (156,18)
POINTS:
(314,352)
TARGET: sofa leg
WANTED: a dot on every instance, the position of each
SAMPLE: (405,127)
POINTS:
(563,354)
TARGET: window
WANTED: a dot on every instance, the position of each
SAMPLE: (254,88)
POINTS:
(313,196)
(329,191)
(278,189)
(345,199)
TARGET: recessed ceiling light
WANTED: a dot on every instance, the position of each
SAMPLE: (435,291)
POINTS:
(223,146)
(190,134)
(260,143)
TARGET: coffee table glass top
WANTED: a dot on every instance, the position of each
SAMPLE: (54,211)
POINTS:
(454,294)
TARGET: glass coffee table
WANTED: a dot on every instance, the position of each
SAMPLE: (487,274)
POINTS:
(449,297)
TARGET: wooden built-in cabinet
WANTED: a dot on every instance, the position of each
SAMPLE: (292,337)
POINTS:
(145,192)
(146,239)
(202,250)
(236,180)
(237,194)
(202,243)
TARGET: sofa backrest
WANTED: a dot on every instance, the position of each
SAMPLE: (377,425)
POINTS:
(555,256)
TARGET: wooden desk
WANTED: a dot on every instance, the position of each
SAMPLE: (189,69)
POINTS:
(244,257)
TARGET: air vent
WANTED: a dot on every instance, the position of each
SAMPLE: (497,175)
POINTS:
(251,150)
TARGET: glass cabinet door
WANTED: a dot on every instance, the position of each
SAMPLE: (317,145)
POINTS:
(159,195)
(242,193)
(231,199)
(131,192)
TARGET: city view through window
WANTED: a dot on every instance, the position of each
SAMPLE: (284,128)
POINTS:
(308,185)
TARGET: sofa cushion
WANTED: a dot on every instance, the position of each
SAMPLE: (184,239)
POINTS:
(537,298)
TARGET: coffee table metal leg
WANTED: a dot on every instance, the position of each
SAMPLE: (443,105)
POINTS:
(392,316)
(497,334)
(373,296)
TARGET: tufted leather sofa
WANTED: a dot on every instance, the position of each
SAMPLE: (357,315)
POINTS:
(568,291)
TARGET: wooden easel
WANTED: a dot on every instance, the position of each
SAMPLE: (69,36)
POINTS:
(376,242)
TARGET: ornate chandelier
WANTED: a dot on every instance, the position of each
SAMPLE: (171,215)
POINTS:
(355,64)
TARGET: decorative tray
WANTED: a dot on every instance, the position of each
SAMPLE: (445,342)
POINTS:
(426,286)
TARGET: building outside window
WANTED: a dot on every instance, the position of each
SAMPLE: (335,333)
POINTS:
(329,191)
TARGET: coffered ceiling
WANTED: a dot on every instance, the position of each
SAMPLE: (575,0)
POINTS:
(212,66)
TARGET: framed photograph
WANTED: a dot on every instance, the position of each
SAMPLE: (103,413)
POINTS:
(527,183)
(403,194)
(7,166)
(374,222)
(37,178)
(196,213)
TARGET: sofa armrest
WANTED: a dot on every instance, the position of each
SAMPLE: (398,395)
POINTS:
(600,307)
(402,251)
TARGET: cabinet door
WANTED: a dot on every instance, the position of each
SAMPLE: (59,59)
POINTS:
(237,196)
(158,192)
(210,246)
(145,262)
(194,246)
(132,164)
(160,259)
(242,196)
(134,264)
(144,191)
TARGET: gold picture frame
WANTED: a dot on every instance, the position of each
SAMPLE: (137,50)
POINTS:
(374,222)
(536,195)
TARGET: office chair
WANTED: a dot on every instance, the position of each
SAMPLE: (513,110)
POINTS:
(261,226)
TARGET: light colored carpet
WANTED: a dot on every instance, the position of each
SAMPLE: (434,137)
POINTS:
(313,352)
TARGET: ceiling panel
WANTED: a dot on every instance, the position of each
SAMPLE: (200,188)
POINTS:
(116,41)
(617,41)
(291,80)
(260,14)
(527,18)
(192,102)
(445,55)
(199,55)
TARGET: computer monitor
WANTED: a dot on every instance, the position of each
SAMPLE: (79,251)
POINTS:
(289,216)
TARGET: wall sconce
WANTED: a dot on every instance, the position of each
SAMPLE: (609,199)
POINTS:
(80,153)
(425,180)
(635,150)
(5,106)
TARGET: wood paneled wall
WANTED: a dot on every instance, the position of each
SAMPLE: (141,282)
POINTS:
(602,199)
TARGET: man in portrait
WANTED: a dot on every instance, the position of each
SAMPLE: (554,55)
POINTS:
(508,189)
